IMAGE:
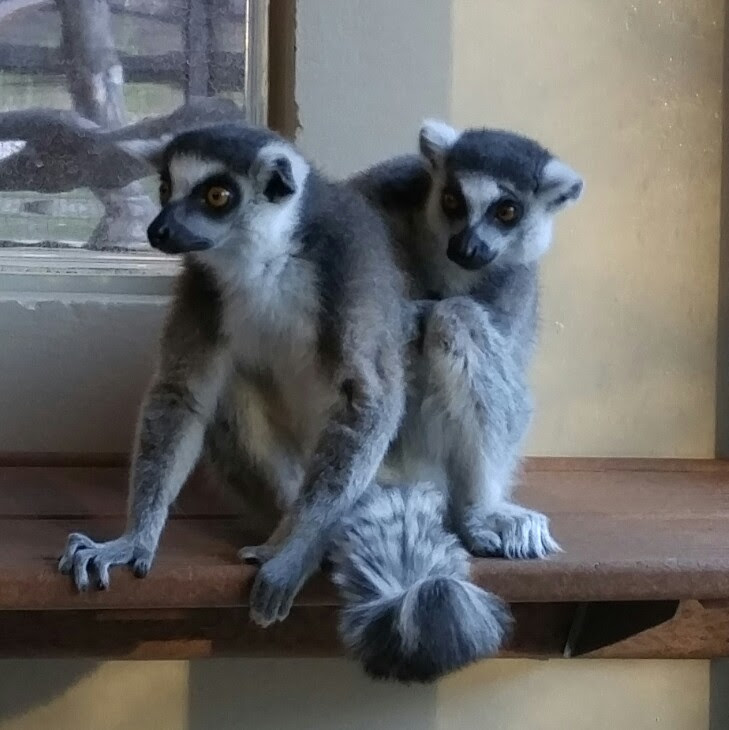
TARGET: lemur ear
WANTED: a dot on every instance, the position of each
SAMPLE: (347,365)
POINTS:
(559,185)
(273,176)
(149,150)
(281,180)
(436,138)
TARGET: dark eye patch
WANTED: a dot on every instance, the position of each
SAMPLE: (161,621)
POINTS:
(165,187)
(452,202)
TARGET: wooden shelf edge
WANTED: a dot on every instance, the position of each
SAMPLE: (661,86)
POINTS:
(645,631)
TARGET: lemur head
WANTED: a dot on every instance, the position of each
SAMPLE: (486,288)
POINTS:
(494,194)
(226,186)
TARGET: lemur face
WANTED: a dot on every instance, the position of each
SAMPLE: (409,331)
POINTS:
(494,194)
(225,187)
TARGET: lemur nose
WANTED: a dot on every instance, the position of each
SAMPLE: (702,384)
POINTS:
(158,234)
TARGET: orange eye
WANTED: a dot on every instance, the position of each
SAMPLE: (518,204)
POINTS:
(165,191)
(217,197)
(506,212)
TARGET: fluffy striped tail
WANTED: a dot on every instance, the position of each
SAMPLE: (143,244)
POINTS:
(410,611)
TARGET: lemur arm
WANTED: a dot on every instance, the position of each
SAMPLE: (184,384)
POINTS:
(177,408)
(179,405)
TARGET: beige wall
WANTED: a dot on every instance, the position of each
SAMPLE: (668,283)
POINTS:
(333,695)
(630,94)
(367,72)
(627,92)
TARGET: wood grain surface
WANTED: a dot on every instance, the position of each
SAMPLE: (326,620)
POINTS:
(637,533)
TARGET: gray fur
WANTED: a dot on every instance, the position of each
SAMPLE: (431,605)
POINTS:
(411,612)
(290,308)
(469,404)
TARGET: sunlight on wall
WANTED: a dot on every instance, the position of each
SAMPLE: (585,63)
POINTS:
(629,93)
(576,695)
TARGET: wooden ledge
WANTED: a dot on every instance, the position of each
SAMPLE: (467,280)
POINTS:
(645,568)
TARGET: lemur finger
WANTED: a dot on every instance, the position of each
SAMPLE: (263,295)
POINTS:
(81,561)
(74,542)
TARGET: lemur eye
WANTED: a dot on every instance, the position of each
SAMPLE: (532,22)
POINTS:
(507,212)
(452,204)
(165,191)
(217,196)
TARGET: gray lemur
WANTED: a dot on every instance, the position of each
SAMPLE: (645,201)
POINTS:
(285,347)
(472,216)
(289,307)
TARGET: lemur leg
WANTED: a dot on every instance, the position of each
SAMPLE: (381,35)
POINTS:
(261,449)
(476,408)
(349,451)
(260,554)
(227,453)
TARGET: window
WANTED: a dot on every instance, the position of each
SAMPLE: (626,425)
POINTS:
(74,74)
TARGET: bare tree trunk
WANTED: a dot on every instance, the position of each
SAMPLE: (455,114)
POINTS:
(197,48)
(95,80)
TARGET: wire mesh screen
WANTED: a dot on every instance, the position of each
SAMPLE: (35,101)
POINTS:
(78,76)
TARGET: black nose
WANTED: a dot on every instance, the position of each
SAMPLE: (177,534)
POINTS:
(469,251)
(158,234)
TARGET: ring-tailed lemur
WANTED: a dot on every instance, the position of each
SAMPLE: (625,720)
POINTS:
(472,216)
(288,329)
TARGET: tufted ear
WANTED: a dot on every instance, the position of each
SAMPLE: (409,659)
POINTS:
(559,185)
(435,139)
(273,176)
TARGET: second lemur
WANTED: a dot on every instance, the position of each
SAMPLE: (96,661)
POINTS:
(472,215)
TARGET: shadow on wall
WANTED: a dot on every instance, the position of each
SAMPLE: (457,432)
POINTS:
(79,695)
(225,694)
(293,694)
(25,685)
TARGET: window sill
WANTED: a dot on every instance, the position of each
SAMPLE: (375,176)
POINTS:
(644,573)
(74,271)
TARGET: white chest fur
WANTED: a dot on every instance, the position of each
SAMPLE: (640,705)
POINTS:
(271,320)
(271,317)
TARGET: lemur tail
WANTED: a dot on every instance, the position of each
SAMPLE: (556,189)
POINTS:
(411,612)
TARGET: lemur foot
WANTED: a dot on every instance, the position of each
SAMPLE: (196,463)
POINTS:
(511,531)
(257,554)
(83,556)
(276,584)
